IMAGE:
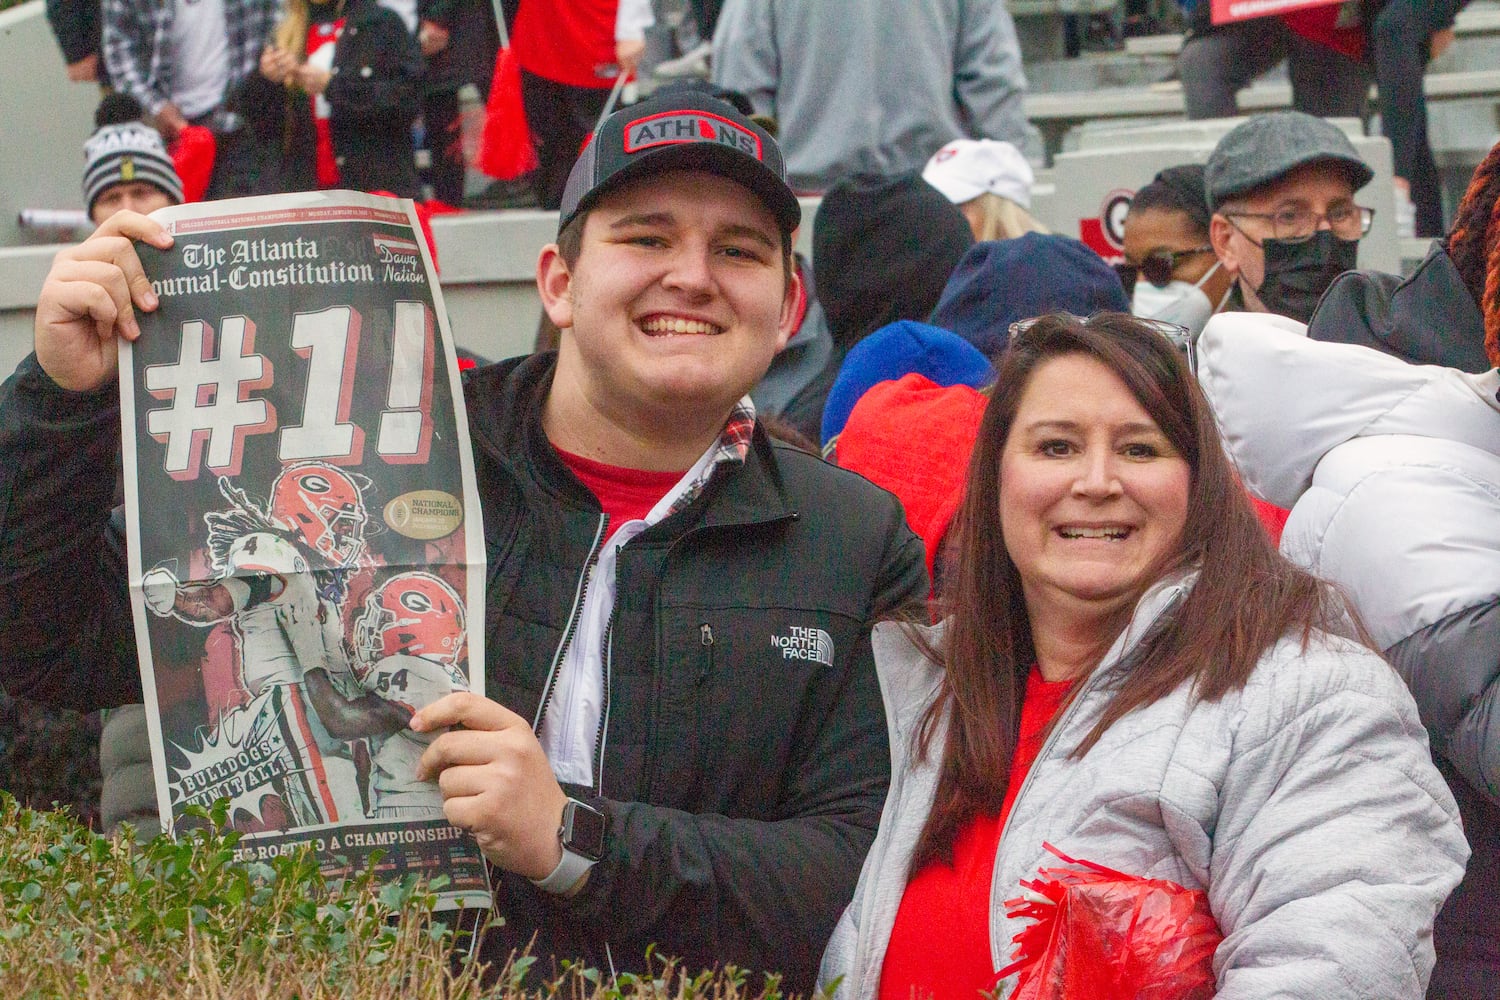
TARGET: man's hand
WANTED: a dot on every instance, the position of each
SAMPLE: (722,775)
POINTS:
(495,780)
(628,52)
(90,297)
(432,37)
(85,70)
(169,121)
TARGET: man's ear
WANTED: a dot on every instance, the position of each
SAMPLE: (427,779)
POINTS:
(787,324)
(554,282)
(1220,229)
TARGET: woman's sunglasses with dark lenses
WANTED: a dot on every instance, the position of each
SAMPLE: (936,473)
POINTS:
(1157,268)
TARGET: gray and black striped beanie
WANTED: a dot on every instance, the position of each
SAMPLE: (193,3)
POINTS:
(124,152)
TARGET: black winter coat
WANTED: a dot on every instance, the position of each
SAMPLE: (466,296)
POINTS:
(743,784)
(377,70)
(1427,319)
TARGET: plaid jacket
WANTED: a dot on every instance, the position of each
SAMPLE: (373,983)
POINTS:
(138,44)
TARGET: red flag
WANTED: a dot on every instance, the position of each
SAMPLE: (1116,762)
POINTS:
(193,154)
(1102,933)
(505,147)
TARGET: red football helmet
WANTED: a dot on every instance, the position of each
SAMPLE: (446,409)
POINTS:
(412,613)
(323,505)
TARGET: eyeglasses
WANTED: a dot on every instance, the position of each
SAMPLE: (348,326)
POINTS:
(1157,267)
(1180,337)
(1294,225)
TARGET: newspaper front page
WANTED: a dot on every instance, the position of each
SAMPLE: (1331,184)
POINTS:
(306,553)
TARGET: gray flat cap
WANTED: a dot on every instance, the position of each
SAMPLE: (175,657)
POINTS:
(1270,146)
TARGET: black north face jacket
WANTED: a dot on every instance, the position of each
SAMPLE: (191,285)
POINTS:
(744,761)
(744,757)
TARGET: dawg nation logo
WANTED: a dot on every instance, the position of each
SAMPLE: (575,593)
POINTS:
(673,127)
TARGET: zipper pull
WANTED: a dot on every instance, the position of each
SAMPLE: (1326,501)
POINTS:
(706,663)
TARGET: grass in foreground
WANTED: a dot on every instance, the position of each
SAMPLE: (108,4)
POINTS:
(84,916)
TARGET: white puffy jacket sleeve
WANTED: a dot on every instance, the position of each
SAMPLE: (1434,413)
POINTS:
(1337,840)
(1283,401)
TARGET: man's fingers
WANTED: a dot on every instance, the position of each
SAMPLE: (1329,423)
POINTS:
(114,243)
(100,290)
(134,226)
(470,780)
(469,812)
(469,748)
(464,708)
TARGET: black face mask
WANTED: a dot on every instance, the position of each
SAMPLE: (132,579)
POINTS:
(1297,274)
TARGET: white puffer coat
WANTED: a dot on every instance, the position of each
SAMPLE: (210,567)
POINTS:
(1392,474)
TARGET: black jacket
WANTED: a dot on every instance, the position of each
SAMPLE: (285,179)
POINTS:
(743,785)
(77,25)
(377,69)
(1427,319)
(473,40)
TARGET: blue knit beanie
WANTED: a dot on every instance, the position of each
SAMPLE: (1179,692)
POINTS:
(901,348)
(1001,281)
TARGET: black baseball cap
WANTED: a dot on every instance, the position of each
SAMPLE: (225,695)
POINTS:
(680,131)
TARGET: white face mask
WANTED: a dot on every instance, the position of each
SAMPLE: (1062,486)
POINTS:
(1180,302)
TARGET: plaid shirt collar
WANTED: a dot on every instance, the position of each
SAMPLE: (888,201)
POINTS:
(732,447)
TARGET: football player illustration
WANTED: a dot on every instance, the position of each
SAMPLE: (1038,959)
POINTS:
(408,652)
(281,575)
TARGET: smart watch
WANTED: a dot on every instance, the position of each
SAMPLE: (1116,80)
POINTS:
(582,835)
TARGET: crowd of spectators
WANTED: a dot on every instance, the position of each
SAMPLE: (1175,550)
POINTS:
(1199,696)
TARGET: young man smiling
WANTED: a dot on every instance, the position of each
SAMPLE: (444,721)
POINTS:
(684,743)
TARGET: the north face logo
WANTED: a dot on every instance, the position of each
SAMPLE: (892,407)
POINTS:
(805,644)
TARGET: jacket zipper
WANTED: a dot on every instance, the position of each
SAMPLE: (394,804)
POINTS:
(599,737)
(1041,755)
(562,647)
(1089,683)
(862,942)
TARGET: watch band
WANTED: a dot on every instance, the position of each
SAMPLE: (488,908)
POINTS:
(582,846)
(566,875)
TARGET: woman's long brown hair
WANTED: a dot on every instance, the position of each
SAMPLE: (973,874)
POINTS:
(1246,596)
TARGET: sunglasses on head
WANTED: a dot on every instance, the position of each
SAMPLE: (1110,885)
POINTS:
(1157,267)
(1180,337)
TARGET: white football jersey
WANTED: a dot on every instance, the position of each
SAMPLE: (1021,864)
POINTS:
(293,629)
(411,682)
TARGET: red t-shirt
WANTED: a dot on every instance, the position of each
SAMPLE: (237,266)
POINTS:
(940,943)
(568,41)
(321,40)
(625,494)
(1320,24)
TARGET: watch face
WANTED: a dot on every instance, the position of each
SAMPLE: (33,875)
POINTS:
(585,830)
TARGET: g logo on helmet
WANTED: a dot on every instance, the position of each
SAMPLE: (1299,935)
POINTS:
(325,506)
